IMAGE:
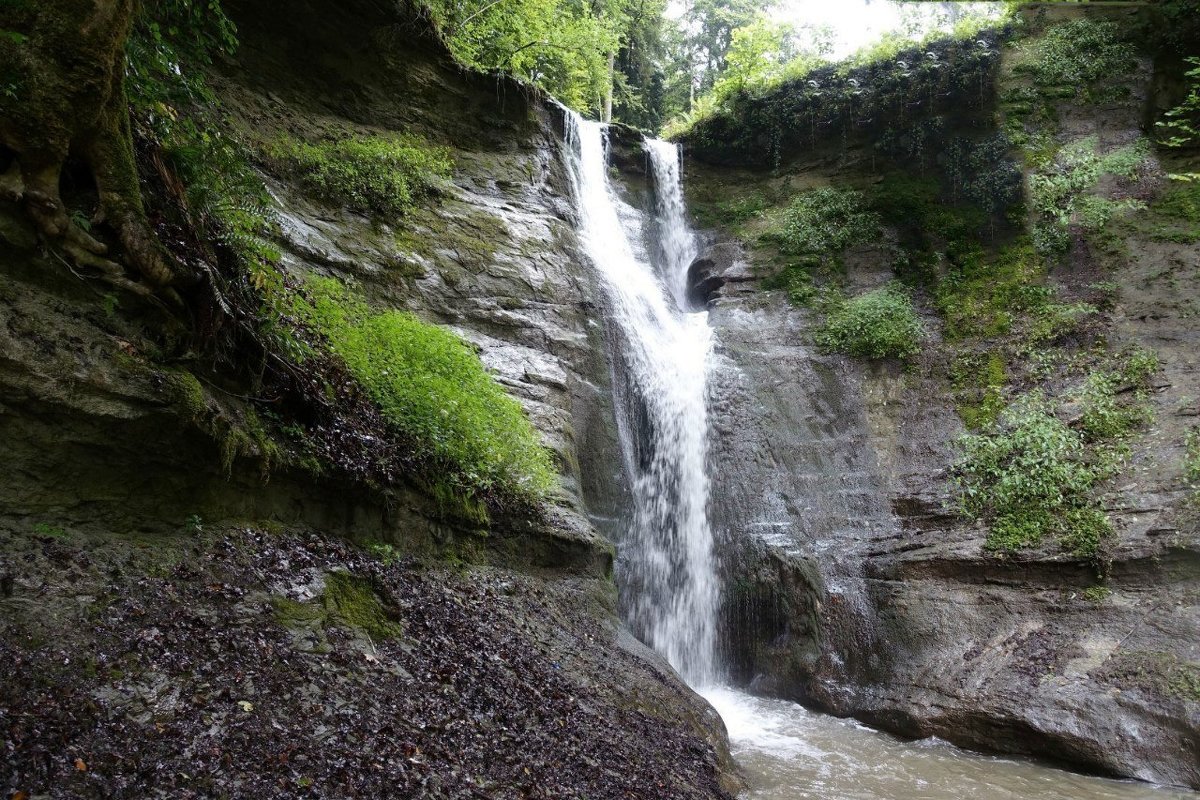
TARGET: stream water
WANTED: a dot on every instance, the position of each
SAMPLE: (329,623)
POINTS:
(667,568)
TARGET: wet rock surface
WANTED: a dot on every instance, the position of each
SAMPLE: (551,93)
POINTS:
(853,587)
(237,663)
(494,256)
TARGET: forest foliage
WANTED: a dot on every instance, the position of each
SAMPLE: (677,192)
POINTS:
(648,63)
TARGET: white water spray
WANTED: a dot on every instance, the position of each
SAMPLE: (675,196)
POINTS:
(666,569)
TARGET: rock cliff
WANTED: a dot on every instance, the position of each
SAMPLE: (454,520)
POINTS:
(854,585)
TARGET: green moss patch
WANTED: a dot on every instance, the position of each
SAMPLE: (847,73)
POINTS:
(978,295)
(1159,672)
(978,381)
(348,600)
(353,600)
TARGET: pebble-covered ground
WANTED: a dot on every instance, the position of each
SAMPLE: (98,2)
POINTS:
(241,664)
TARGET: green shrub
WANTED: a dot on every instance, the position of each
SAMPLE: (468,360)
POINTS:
(878,324)
(1058,190)
(473,438)
(1029,475)
(379,174)
(826,221)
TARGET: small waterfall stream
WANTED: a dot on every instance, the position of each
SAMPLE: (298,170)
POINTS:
(667,568)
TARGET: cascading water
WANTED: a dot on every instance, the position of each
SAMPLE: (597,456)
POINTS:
(667,569)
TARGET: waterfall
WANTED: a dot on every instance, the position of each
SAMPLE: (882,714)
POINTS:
(666,569)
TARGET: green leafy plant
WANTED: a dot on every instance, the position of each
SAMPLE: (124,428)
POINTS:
(879,324)
(223,198)
(473,439)
(378,174)
(170,43)
(563,47)
(1106,415)
(1191,461)
(1180,126)
(387,554)
(1030,476)
(1059,190)
(1140,364)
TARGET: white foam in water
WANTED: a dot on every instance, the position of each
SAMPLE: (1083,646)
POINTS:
(790,753)
(668,567)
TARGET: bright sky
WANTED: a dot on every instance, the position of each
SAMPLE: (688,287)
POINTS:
(856,23)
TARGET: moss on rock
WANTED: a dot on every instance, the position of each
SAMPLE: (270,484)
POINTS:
(353,600)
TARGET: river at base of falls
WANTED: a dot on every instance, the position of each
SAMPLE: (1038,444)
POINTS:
(790,753)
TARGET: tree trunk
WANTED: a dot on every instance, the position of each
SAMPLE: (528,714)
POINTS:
(608,94)
(62,93)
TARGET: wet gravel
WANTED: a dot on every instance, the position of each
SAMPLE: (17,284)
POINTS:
(186,667)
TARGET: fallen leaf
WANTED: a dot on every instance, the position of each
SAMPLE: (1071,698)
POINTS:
(20,796)
(81,765)
(246,705)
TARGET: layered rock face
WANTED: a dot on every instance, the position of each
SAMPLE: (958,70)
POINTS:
(854,586)
(853,589)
